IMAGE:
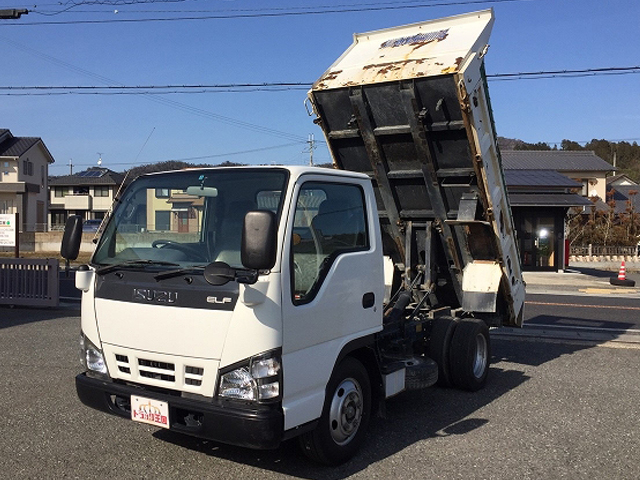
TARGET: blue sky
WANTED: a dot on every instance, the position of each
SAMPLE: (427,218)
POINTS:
(128,130)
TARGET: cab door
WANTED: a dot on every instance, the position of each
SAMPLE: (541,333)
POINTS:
(333,287)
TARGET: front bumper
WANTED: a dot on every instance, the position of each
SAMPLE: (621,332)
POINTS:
(258,427)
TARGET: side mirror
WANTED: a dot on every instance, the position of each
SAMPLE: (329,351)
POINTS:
(72,237)
(259,240)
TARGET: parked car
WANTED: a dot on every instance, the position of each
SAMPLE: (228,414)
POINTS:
(91,225)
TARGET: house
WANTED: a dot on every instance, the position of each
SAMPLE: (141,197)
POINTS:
(626,198)
(539,202)
(619,181)
(89,194)
(542,187)
(583,166)
(24,167)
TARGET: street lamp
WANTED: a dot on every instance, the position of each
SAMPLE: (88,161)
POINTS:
(13,13)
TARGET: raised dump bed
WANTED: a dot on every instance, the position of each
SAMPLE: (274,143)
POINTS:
(409,106)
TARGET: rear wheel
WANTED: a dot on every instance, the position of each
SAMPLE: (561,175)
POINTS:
(345,416)
(470,354)
(439,344)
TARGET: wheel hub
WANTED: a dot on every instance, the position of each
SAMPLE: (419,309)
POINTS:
(346,411)
(481,357)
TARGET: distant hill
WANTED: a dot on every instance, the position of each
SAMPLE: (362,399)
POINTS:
(624,156)
(515,144)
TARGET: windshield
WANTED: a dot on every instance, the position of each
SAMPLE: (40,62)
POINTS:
(188,218)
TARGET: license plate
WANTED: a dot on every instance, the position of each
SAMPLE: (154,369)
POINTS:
(148,410)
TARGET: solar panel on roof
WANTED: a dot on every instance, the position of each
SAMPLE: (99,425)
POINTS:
(91,173)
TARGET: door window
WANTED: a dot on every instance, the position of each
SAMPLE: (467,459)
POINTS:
(538,242)
(329,221)
(545,242)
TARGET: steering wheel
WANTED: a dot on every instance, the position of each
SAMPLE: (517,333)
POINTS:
(162,243)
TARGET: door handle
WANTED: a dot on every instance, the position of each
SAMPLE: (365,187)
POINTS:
(368,300)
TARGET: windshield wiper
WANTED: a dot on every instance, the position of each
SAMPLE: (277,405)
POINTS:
(177,272)
(133,263)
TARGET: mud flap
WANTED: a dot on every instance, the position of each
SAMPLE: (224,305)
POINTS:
(480,285)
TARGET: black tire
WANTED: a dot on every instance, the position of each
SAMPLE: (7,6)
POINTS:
(470,355)
(420,373)
(622,283)
(439,341)
(345,416)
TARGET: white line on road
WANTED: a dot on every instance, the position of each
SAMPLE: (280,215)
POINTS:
(592,329)
(613,307)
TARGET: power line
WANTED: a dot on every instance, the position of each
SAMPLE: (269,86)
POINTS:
(161,89)
(109,83)
(558,142)
(235,11)
(71,5)
(264,14)
(127,3)
(589,72)
(202,157)
(146,93)
(273,86)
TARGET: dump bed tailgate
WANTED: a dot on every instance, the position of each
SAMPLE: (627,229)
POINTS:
(409,106)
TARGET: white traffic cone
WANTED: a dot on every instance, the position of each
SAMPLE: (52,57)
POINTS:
(622,278)
(622,273)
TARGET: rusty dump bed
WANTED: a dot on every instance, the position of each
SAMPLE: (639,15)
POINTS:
(409,107)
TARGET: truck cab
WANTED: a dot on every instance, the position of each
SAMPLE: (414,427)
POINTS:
(171,315)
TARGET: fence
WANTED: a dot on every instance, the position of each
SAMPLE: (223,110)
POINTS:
(608,250)
(29,281)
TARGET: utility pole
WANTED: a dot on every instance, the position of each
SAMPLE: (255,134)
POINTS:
(615,160)
(71,166)
(312,147)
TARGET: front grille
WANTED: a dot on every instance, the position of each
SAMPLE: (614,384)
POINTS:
(157,370)
(172,375)
(157,376)
(123,364)
(193,376)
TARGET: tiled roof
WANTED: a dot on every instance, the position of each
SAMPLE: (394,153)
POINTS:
(562,161)
(623,177)
(107,177)
(548,200)
(626,196)
(538,178)
(16,146)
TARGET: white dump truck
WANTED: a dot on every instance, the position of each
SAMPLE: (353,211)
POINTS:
(250,305)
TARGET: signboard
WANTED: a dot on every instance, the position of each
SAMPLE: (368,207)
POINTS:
(7,230)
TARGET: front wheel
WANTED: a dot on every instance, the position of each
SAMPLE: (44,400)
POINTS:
(345,416)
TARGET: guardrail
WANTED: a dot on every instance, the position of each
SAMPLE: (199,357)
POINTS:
(29,281)
(608,250)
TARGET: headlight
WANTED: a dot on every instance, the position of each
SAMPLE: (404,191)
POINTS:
(91,357)
(258,380)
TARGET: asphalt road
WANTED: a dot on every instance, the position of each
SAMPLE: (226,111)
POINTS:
(550,410)
(597,312)
(597,318)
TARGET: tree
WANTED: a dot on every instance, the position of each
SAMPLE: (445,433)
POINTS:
(605,226)
(571,145)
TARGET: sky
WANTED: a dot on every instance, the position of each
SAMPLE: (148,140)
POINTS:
(93,43)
